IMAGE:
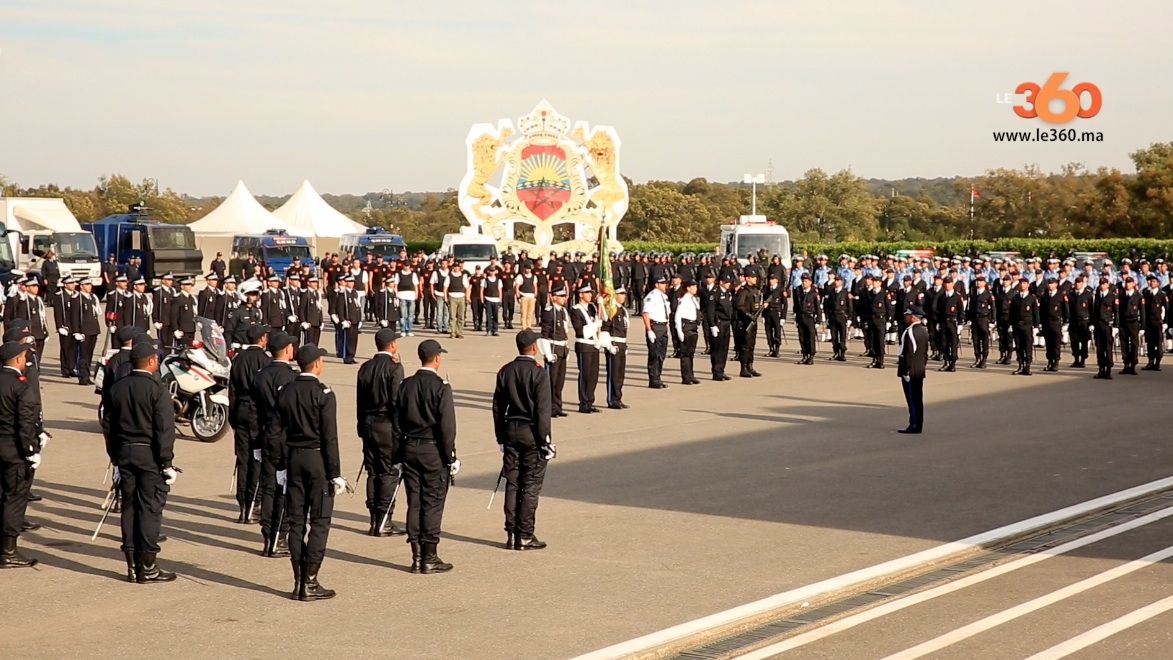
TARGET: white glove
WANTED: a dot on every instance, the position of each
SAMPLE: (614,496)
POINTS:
(907,379)
(334,318)
(158,326)
(454,469)
(256,454)
(680,336)
(235,346)
(79,336)
(714,331)
(292,318)
(339,484)
(1115,332)
(551,358)
(34,460)
(346,325)
(501,448)
(112,329)
(63,331)
(383,324)
(305,325)
(171,475)
(178,334)
(115,474)
(281,477)
(44,439)
(550,452)
(651,336)
(613,349)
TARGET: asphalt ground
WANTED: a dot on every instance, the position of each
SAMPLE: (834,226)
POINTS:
(696,500)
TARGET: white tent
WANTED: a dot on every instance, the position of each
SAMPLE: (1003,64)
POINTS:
(307,212)
(240,213)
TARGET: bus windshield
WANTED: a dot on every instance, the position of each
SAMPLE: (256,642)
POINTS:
(6,253)
(389,251)
(289,252)
(75,246)
(474,252)
(778,244)
(172,238)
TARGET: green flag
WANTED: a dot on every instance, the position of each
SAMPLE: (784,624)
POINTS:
(607,283)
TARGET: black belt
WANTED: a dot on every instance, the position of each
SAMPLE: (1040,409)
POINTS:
(659,323)
(307,448)
(428,441)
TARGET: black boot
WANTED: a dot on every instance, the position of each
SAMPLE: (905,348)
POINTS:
(1018,371)
(1099,374)
(415,557)
(310,589)
(10,557)
(255,516)
(266,544)
(296,579)
(150,571)
(951,365)
(745,371)
(529,543)
(510,541)
(242,516)
(132,565)
(386,527)
(430,562)
(280,545)
(1026,369)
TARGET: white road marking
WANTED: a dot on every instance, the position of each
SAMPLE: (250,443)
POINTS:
(994,620)
(848,580)
(1105,631)
(948,588)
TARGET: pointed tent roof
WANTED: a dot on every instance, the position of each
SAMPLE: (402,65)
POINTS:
(307,211)
(240,213)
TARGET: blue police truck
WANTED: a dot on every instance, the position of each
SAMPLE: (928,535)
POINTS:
(162,247)
(376,241)
(274,250)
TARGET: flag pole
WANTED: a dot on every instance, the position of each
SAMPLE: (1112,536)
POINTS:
(972,194)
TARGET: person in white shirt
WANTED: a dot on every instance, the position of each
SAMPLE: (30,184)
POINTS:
(688,314)
(656,311)
(407,290)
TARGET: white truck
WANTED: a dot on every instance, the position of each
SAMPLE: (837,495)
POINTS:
(38,224)
(755,234)
(471,247)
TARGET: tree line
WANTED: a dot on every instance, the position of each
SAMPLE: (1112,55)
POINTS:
(819,208)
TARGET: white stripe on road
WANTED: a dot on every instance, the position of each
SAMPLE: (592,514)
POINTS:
(994,620)
(848,580)
(948,588)
(1105,631)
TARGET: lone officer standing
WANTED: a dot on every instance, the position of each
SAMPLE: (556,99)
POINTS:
(242,414)
(521,424)
(274,458)
(427,423)
(19,450)
(141,445)
(308,413)
(911,365)
(377,402)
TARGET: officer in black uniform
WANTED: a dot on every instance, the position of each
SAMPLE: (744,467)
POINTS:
(1079,306)
(806,315)
(980,312)
(950,316)
(65,300)
(837,309)
(1053,315)
(774,297)
(141,445)
(183,313)
(427,424)
(274,473)
(164,297)
(616,356)
(308,411)
(242,414)
(555,324)
(137,309)
(719,316)
(377,403)
(521,424)
(245,316)
(1003,297)
(86,325)
(310,311)
(20,330)
(1128,319)
(749,307)
(1024,318)
(20,450)
(587,324)
(1103,319)
(1154,308)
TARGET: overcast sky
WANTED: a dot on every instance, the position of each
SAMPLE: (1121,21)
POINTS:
(361,96)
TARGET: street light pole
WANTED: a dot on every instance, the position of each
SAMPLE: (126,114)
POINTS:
(754,180)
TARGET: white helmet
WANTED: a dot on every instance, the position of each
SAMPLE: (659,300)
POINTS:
(251,285)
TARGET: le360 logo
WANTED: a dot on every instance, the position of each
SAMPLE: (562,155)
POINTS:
(1039,100)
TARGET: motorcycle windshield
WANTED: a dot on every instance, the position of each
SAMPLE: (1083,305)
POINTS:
(213,339)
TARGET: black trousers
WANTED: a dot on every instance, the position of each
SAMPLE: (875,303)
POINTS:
(1024,343)
(657,353)
(1079,333)
(773,324)
(273,514)
(508,304)
(719,349)
(309,504)
(478,313)
(981,338)
(246,439)
(950,341)
(1053,339)
(67,355)
(313,335)
(588,375)
(429,305)
(426,479)
(806,334)
(557,371)
(378,448)
(688,351)
(86,359)
(875,329)
(144,494)
(1130,343)
(748,332)
(491,316)
(1154,342)
(616,374)
(525,471)
(15,481)
(914,395)
(837,324)
(1104,345)
(1005,336)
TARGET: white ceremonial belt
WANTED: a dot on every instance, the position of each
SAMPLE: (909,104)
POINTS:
(557,342)
(456,295)
(488,299)
(528,295)
(585,341)
(617,340)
